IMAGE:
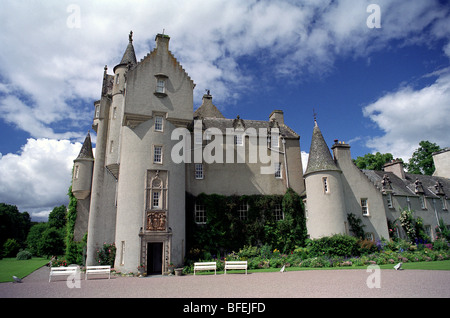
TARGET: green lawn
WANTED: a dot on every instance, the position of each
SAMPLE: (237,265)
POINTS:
(11,266)
(436,265)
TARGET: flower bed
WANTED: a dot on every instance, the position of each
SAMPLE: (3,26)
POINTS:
(367,253)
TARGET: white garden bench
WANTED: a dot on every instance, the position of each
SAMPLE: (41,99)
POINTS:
(201,266)
(58,271)
(100,269)
(236,265)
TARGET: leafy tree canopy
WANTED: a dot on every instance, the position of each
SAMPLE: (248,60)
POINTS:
(373,161)
(57,218)
(421,161)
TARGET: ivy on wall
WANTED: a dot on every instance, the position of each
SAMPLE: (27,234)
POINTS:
(74,250)
(225,231)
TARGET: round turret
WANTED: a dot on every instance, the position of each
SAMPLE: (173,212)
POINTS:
(326,206)
(82,171)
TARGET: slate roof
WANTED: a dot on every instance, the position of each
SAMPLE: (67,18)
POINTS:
(320,158)
(407,186)
(223,123)
(129,57)
(86,149)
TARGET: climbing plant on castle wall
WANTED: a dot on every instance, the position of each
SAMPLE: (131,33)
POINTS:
(226,230)
(74,250)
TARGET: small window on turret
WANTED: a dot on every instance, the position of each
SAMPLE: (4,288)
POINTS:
(75,173)
(325,185)
(97,111)
(117,78)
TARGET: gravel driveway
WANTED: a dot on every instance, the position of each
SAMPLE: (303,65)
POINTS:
(296,284)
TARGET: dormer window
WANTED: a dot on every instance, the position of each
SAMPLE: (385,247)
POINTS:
(160,90)
(161,86)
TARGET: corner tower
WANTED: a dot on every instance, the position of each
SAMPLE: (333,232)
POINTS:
(325,198)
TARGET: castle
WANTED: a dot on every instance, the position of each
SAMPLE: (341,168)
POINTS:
(152,149)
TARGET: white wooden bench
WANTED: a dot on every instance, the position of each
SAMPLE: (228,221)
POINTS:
(58,271)
(100,269)
(236,265)
(201,266)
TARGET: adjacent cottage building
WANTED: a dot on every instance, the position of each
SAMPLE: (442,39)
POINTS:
(335,188)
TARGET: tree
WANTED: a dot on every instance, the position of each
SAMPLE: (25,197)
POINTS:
(13,224)
(57,217)
(34,237)
(373,161)
(52,242)
(10,248)
(421,161)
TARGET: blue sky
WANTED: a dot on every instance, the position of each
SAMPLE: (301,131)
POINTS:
(380,89)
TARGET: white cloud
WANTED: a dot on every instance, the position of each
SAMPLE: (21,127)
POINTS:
(60,63)
(51,72)
(37,179)
(305,157)
(408,116)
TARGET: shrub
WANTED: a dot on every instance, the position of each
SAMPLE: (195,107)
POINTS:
(440,244)
(249,251)
(367,247)
(336,245)
(10,247)
(58,262)
(106,255)
(23,255)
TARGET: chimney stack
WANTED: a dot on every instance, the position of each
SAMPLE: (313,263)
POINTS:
(162,40)
(278,116)
(396,167)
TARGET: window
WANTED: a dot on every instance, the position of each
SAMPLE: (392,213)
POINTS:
(427,229)
(114,113)
(200,214)
(122,253)
(198,138)
(369,236)
(198,171)
(274,141)
(156,190)
(161,86)
(75,173)
(238,139)
(423,202)
(364,207)
(278,212)
(243,211)
(157,154)
(444,203)
(389,200)
(111,146)
(117,78)
(158,123)
(97,111)
(325,184)
(277,170)
(156,197)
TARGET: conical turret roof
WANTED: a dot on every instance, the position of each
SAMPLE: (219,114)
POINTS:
(86,149)
(129,57)
(320,158)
